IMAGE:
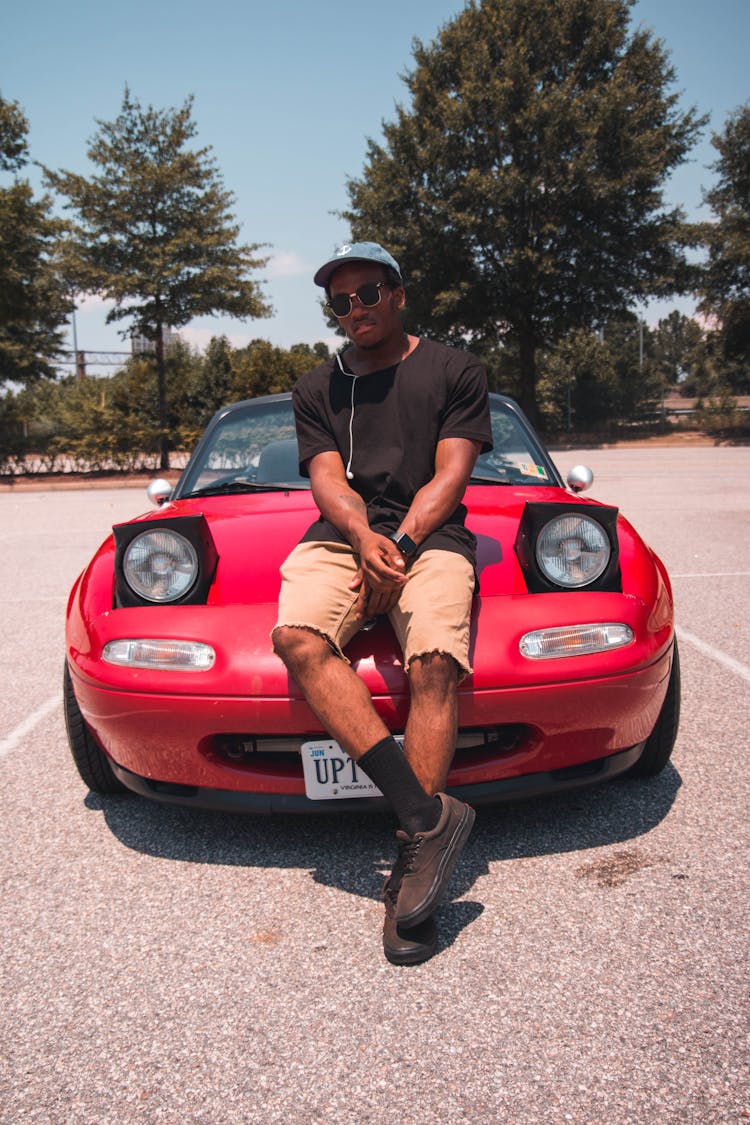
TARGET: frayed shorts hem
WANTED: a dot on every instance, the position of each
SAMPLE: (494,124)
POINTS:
(432,615)
(310,629)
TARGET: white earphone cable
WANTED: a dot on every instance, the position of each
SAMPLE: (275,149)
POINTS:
(349,473)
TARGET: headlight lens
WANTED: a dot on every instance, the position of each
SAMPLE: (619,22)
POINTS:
(160,565)
(575,640)
(572,551)
(171,656)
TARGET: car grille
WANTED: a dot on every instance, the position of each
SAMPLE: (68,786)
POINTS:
(239,748)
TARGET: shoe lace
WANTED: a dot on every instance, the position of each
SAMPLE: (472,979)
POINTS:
(390,896)
(408,853)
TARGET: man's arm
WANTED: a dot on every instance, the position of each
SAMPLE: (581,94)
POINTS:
(380,559)
(438,499)
(382,564)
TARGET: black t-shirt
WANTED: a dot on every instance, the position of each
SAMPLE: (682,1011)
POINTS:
(386,426)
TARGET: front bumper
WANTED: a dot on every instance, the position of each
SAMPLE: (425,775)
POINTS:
(169,744)
(492,792)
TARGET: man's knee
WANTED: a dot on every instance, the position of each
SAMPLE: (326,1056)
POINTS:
(295,643)
(433,671)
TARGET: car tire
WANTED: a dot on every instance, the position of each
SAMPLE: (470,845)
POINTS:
(659,745)
(91,762)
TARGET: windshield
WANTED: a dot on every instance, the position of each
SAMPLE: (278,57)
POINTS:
(253,447)
(516,456)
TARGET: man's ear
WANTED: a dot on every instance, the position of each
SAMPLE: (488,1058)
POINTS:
(399,297)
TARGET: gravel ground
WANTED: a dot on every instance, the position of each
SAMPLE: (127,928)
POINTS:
(167,965)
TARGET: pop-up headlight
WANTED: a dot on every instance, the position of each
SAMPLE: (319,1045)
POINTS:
(569,547)
(164,562)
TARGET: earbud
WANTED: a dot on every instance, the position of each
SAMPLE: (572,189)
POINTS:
(349,473)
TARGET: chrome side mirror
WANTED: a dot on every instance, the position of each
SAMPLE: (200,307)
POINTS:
(579,478)
(159,491)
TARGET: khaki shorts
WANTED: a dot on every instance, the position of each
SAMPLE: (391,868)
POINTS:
(433,613)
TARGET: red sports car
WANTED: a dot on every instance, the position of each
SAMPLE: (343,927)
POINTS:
(172,689)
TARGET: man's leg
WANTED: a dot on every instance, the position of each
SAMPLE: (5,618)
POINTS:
(430,741)
(432,622)
(436,828)
(342,703)
(433,830)
(432,728)
(334,691)
(318,615)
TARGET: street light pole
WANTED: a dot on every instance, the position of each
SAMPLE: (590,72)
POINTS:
(80,357)
(640,345)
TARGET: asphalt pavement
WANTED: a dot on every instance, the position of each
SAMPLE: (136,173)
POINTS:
(168,965)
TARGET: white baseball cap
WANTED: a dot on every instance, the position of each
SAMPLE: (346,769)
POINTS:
(355,252)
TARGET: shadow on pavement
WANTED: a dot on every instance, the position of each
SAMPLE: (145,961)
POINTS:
(354,852)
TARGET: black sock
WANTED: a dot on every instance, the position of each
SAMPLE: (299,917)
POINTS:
(386,764)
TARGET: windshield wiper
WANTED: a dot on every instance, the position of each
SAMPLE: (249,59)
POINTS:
(240,485)
(487,478)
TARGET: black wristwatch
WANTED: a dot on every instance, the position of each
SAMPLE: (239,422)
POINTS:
(405,544)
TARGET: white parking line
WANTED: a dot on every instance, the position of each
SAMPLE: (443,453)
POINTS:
(716,654)
(28,724)
(31,721)
(714,574)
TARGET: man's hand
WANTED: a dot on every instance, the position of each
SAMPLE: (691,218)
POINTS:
(382,572)
(381,575)
(372,602)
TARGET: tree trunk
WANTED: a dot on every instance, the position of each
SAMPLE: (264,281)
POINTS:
(527,360)
(161,383)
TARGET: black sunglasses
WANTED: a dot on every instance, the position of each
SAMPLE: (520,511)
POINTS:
(368,296)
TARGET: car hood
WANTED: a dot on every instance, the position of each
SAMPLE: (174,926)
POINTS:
(253,533)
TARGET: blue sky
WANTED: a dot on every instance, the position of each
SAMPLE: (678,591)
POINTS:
(286,94)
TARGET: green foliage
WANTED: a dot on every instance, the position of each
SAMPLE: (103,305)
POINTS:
(521,189)
(576,383)
(12,432)
(735,333)
(721,418)
(675,342)
(14,127)
(503,365)
(90,424)
(710,373)
(725,280)
(206,386)
(154,231)
(115,423)
(638,387)
(601,381)
(262,369)
(33,303)
(703,377)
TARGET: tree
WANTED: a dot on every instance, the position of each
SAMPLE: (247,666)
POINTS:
(637,389)
(14,149)
(522,189)
(261,368)
(576,383)
(209,386)
(33,302)
(154,231)
(676,342)
(596,381)
(725,281)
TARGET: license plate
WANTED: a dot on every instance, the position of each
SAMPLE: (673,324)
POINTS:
(330,774)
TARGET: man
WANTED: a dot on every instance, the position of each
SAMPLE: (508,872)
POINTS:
(388,433)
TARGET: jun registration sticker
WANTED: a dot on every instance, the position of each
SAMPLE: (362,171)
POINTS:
(331,774)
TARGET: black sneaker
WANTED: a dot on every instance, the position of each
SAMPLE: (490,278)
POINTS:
(427,861)
(405,946)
